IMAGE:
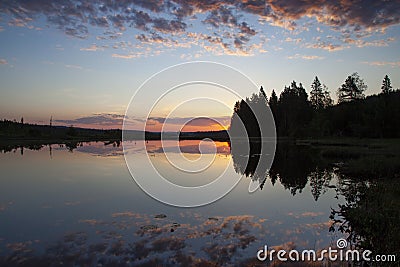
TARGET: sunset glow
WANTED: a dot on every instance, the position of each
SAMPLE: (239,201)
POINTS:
(189,125)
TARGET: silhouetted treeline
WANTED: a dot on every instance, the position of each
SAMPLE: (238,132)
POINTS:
(245,112)
(12,130)
(293,111)
(376,116)
(298,115)
(15,135)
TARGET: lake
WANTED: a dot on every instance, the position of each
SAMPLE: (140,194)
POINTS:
(60,206)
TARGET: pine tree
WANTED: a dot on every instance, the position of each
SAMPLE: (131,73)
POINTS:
(327,97)
(317,96)
(353,88)
(386,85)
(262,93)
(294,110)
(273,100)
(273,104)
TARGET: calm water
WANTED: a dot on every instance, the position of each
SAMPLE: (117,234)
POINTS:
(83,207)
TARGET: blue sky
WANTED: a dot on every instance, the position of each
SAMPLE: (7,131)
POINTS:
(81,61)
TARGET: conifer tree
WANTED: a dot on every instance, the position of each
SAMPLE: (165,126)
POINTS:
(386,85)
(353,88)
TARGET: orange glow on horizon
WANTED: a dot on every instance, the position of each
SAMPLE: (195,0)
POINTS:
(194,125)
(212,127)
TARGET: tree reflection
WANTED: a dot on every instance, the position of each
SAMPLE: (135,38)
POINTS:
(5,148)
(369,217)
(70,145)
(319,182)
(292,165)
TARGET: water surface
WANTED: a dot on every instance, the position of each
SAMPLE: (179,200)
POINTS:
(82,206)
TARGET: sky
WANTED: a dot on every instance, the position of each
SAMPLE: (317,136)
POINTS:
(80,62)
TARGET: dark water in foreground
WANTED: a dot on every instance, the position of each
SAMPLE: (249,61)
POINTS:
(83,208)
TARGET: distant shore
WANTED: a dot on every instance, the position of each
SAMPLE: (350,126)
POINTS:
(15,134)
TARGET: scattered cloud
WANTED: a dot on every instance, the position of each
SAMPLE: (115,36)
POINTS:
(151,39)
(363,43)
(94,48)
(59,47)
(3,61)
(162,25)
(127,214)
(293,40)
(16,22)
(306,57)
(101,120)
(383,63)
(19,246)
(311,57)
(228,31)
(74,67)
(138,53)
(128,56)
(327,46)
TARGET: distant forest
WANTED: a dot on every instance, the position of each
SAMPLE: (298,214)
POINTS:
(299,115)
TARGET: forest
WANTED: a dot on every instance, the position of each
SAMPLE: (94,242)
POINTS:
(299,115)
